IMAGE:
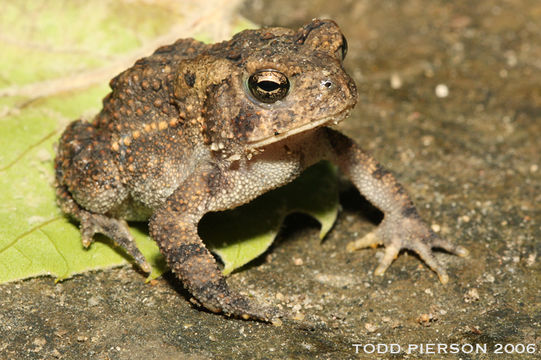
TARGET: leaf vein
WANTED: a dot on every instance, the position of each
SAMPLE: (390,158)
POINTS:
(28,232)
(66,265)
(27,150)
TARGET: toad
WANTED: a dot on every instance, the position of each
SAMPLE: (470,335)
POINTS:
(197,127)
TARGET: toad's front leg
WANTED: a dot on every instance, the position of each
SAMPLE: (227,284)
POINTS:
(174,228)
(402,227)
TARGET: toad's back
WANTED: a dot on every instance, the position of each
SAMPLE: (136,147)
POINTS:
(141,102)
(121,163)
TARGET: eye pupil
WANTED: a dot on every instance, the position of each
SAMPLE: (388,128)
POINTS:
(268,86)
(344,47)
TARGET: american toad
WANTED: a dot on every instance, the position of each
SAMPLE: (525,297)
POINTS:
(196,128)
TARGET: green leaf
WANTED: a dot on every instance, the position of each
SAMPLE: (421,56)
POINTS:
(40,61)
(50,76)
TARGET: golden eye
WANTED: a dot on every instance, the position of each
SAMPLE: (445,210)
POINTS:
(268,85)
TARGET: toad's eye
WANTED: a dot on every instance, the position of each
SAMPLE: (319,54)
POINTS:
(344,47)
(268,86)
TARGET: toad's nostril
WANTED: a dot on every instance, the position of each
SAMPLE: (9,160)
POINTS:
(352,87)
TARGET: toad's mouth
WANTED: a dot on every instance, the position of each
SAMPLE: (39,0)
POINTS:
(332,120)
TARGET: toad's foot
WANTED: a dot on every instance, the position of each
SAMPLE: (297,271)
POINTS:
(234,305)
(411,233)
(115,229)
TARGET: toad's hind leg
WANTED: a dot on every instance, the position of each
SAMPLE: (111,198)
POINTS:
(83,180)
(91,224)
(115,229)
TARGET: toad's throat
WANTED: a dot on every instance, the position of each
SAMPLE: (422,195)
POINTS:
(329,120)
